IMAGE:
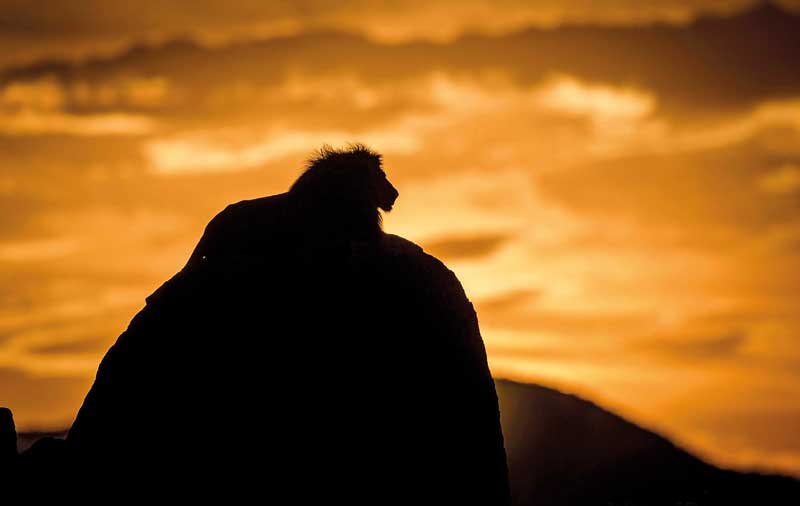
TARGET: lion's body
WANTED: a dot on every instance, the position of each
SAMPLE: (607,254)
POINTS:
(336,200)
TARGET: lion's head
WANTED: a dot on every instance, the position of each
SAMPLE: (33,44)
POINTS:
(347,184)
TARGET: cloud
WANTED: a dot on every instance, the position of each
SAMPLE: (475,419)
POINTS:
(39,94)
(92,345)
(568,95)
(465,247)
(34,123)
(509,300)
(681,65)
(39,107)
(205,152)
(782,180)
(709,187)
(36,250)
(92,26)
(699,347)
(398,121)
(49,338)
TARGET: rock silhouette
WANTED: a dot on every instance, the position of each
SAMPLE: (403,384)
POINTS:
(355,354)
(566,451)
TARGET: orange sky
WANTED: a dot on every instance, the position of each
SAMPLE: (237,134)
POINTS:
(617,187)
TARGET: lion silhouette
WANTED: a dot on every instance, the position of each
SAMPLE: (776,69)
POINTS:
(337,199)
(301,355)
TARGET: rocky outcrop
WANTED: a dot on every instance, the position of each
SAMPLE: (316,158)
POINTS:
(361,365)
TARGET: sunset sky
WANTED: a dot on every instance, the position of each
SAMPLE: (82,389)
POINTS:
(616,183)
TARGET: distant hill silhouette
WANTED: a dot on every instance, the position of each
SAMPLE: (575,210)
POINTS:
(563,450)
(27,439)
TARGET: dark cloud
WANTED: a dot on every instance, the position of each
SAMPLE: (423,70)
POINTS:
(511,300)
(90,344)
(719,64)
(465,247)
(82,27)
(698,347)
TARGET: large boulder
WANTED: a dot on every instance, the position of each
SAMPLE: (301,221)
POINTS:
(360,364)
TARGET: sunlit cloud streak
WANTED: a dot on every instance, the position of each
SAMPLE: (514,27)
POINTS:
(209,153)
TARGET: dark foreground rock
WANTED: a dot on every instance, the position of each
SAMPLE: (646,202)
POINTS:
(361,365)
(563,450)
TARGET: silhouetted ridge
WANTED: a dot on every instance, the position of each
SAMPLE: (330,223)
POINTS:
(563,450)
